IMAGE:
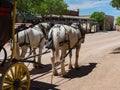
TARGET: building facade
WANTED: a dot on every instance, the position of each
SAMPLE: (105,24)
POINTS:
(108,22)
(86,21)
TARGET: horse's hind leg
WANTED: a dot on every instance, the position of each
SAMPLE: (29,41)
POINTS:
(70,63)
(24,51)
(77,56)
(39,59)
(63,72)
(53,64)
(34,59)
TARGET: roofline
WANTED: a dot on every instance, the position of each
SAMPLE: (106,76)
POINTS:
(68,16)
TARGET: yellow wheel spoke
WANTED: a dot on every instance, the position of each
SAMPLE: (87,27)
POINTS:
(7,81)
(23,75)
(12,73)
(24,81)
(11,88)
(9,77)
(21,78)
(19,72)
(15,71)
(20,88)
(7,87)
(24,86)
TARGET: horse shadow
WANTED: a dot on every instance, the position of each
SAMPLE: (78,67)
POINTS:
(37,85)
(43,69)
(81,71)
(116,51)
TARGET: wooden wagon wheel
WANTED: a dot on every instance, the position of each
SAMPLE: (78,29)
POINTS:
(16,77)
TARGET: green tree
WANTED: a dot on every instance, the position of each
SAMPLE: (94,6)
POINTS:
(43,7)
(115,4)
(99,17)
(118,21)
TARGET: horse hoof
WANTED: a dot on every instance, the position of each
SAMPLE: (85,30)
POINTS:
(55,73)
(76,66)
(35,65)
(70,67)
(63,74)
(38,65)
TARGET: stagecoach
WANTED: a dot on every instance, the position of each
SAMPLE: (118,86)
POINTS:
(14,73)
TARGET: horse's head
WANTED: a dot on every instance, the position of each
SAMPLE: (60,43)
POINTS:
(51,24)
(45,27)
(82,30)
(75,25)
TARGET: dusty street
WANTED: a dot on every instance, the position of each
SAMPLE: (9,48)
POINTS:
(99,63)
(99,66)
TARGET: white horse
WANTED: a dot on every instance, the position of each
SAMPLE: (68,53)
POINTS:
(63,37)
(34,38)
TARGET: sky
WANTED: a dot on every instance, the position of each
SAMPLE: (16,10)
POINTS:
(87,7)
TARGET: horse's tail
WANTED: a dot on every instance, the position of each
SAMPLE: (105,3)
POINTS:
(56,46)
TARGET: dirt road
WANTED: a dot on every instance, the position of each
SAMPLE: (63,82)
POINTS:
(99,67)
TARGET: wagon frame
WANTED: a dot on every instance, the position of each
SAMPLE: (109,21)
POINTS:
(15,74)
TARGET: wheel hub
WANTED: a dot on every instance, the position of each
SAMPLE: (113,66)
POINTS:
(17,83)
